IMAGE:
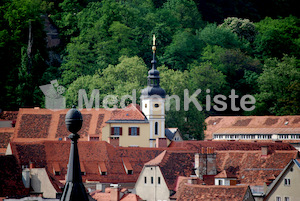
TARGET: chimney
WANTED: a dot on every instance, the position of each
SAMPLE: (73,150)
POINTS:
(114,192)
(31,165)
(161,142)
(211,165)
(264,150)
(115,141)
(192,180)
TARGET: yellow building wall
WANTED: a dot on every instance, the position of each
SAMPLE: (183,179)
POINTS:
(157,112)
(127,140)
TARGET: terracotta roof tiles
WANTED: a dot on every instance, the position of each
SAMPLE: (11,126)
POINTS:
(174,164)
(216,193)
(5,136)
(9,115)
(131,197)
(43,124)
(51,154)
(250,167)
(225,174)
(11,178)
(128,113)
(230,145)
(215,123)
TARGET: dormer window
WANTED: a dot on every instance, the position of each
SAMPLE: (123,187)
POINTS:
(102,168)
(127,166)
(56,169)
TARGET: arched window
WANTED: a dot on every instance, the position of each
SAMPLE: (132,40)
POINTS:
(156,128)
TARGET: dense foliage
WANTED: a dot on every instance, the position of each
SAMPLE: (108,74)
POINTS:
(106,45)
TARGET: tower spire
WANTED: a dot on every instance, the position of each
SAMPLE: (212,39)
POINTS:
(153,62)
(153,87)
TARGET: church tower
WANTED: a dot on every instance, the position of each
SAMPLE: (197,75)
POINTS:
(153,102)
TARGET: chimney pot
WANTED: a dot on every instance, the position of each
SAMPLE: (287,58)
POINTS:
(161,142)
(114,141)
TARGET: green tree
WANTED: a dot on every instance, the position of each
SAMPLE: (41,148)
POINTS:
(278,37)
(204,76)
(242,27)
(189,122)
(184,49)
(21,28)
(279,87)
(214,35)
(121,79)
(233,63)
(185,12)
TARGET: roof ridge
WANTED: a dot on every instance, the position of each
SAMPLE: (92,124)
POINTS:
(157,160)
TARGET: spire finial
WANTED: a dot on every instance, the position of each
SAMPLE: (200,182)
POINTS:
(154,45)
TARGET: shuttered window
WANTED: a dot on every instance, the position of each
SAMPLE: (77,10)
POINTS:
(134,131)
(116,130)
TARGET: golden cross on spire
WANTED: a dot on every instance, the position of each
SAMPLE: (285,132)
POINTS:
(154,45)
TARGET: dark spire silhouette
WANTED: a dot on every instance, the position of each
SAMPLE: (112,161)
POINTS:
(74,189)
(153,87)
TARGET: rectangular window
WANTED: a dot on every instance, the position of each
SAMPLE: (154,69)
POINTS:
(145,180)
(158,180)
(134,131)
(94,138)
(220,182)
(287,182)
(286,198)
(278,198)
(116,130)
(151,180)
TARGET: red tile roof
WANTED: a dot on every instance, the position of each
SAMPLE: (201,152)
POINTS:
(225,174)
(129,113)
(11,184)
(174,164)
(5,136)
(250,167)
(230,145)
(43,124)
(100,196)
(216,193)
(131,197)
(215,123)
(183,180)
(92,154)
(244,160)
(9,115)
